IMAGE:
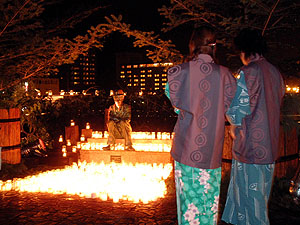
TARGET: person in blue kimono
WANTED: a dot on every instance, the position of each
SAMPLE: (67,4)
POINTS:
(254,116)
(201,91)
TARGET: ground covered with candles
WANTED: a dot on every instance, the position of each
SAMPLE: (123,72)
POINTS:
(43,197)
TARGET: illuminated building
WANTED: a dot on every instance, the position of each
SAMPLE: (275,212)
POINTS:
(137,74)
(146,77)
(81,74)
(46,84)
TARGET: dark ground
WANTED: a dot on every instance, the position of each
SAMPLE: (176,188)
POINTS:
(40,208)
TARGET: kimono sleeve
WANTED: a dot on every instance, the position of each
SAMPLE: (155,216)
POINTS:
(179,87)
(240,105)
(167,93)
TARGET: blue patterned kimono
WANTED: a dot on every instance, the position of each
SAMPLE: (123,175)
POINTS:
(255,110)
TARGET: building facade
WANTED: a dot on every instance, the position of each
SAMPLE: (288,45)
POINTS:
(46,84)
(80,75)
(149,78)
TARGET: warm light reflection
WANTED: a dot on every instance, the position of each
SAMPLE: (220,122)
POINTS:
(136,183)
(289,89)
(147,147)
(138,135)
(142,141)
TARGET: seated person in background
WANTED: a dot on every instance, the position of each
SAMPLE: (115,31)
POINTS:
(118,125)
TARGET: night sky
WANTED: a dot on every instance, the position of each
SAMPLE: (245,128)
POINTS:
(142,15)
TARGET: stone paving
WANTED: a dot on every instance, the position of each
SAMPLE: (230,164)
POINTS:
(43,208)
(29,208)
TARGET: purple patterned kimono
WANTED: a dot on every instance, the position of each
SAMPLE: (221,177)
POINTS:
(202,91)
(261,127)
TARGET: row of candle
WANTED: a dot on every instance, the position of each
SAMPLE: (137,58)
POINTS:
(135,135)
(139,183)
(98,146)
(138,135)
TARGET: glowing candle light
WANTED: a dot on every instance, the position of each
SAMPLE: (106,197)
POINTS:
(82,138)
(60,138)
(74,149)
(87,126)
(72,123)
(68,142)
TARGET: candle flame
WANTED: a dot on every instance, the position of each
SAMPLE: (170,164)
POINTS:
(136,183)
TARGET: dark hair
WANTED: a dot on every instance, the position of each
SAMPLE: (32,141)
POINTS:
(201,38)
(250,42)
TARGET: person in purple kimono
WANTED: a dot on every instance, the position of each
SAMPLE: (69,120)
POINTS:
(201,91)
(254,117)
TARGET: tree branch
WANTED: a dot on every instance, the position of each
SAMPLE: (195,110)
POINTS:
(14,16)
(268,20)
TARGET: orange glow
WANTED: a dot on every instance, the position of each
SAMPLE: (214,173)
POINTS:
(142,141)
(136,183)
(289,89)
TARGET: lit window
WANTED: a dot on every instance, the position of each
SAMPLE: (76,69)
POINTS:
(142,88)
(135,66)
(143,71)
(129,71)
(129,85)
(156,79)
(156,84)
(149,71)
(142,65)
(136,80)
(149,75)
(135,84)
(156,88)
(142,80)
(164,75)
(122,72)
(123,66)
(164,84)
(142,84)
(164,79)
(128,66)
(143,75)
